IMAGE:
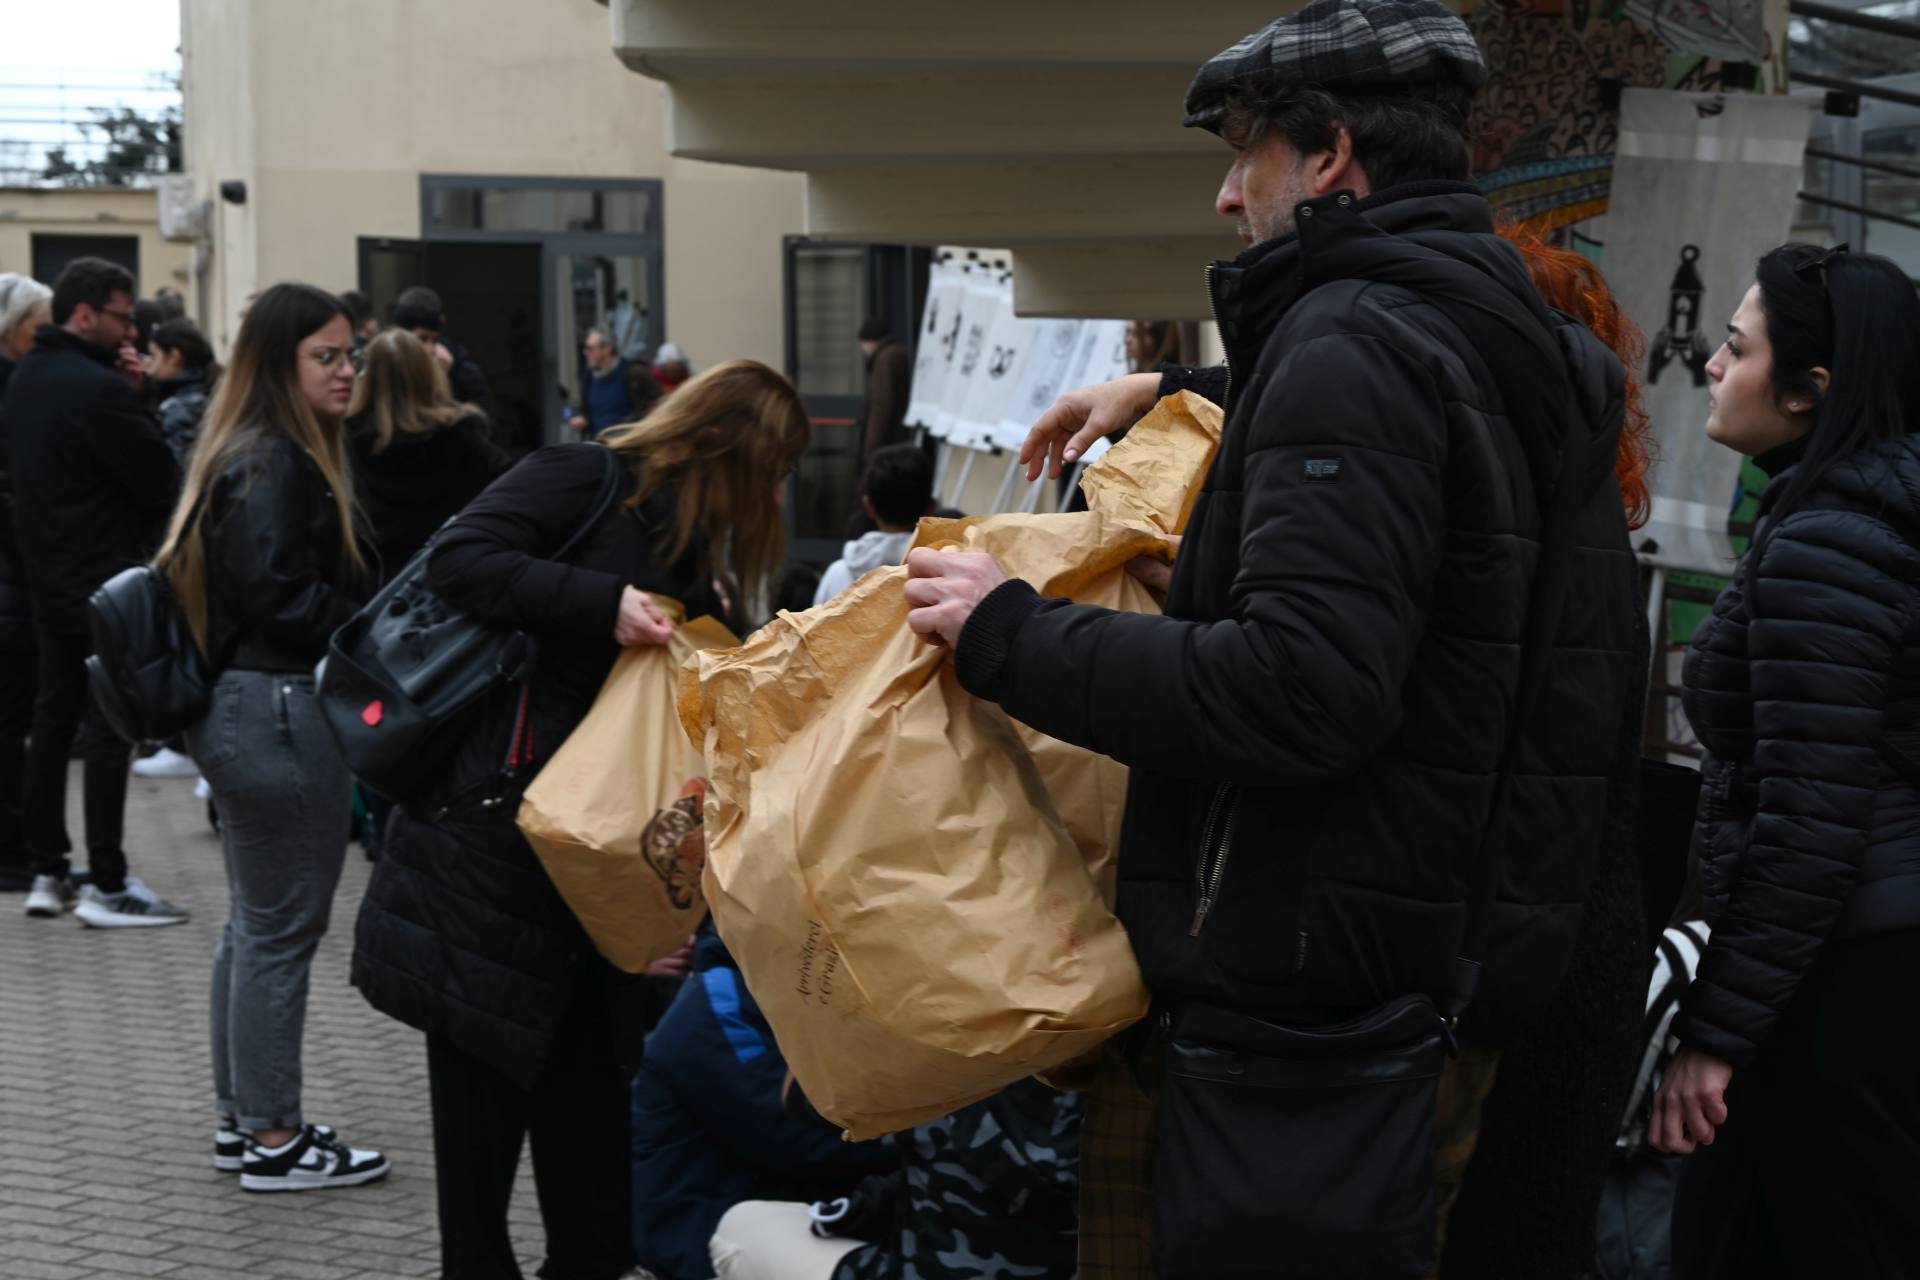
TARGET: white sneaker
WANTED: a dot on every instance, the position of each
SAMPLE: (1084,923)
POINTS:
(166,763)
(134,907)
(51,897)
(314,1159)
(202,790)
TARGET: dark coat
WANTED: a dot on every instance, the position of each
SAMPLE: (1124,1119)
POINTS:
(710,1128)
(93,479)
(1315,725)
(1804,687)
(419,481)
(16,605)
(889,384)
(278,579)
(461,932)
(182,404)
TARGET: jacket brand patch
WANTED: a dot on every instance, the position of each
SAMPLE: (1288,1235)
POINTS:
(1323,469)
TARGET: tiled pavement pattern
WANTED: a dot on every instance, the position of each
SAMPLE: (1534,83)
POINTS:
(106,1122)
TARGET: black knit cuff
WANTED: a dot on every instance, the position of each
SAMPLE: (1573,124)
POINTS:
(986,642)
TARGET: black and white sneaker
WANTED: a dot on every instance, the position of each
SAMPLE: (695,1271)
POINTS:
(51,897)
(230,1145)
(314,1159)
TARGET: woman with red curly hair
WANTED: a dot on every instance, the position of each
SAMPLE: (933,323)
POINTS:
(1550,1121)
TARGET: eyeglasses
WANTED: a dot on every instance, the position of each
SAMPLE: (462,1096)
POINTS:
(327,357)
(1816,264)
(124,317)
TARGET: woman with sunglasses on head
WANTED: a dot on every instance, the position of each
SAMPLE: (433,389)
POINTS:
(461,934)
(266,563)
(1799,1072)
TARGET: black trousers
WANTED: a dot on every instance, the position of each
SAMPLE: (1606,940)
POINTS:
(1816,1173)
(577,1116)
(62,702)
(18,675)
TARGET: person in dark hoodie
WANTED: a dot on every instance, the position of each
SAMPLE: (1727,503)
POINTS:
(1798,1076)
(181,373)
(711,1128)
(419,455)
(25,305)
(93,484)
(1319,723)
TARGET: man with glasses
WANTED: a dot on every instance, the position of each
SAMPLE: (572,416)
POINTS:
(94,483)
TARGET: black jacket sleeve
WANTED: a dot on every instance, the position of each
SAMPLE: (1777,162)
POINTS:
(1835,599)
(258,548)
(1329,596)
(128,444)
(1209,382)
(496,559)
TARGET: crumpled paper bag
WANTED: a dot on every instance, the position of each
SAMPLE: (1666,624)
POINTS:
(590,814)
(915,912)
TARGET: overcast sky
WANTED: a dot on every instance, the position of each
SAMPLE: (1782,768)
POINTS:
(106,51)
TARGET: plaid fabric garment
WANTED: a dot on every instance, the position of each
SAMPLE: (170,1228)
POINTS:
(1116,1155)
(1116,1158)
(1342,42)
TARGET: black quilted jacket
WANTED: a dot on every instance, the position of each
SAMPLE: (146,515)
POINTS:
(1315,726)
(1804,686)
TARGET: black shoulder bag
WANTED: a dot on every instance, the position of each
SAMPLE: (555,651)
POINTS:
(147,674)
(1309,1152)
(404,676)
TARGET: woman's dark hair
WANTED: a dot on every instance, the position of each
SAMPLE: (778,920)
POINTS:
(1416,133)
(1856,315)
(183,337)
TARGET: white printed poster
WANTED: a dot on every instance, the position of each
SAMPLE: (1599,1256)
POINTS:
(1703,184)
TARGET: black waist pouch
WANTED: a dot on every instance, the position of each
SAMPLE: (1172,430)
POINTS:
(1303,1152)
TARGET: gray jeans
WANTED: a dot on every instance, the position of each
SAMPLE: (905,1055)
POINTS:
(285,799)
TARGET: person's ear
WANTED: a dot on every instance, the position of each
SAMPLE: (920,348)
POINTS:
(866,505)
(1821,379)
(1335,168)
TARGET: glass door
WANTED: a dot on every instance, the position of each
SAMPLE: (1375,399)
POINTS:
(611,285)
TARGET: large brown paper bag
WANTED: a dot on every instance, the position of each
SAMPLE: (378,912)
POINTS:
(587,813)
(883,857)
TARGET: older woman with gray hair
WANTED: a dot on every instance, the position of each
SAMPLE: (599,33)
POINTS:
(25,305)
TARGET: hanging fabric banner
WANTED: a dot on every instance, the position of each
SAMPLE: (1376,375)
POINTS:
(1703,184)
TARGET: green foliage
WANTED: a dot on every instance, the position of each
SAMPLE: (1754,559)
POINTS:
(138,147)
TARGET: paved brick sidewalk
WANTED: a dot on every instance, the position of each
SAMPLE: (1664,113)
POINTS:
(106,1120)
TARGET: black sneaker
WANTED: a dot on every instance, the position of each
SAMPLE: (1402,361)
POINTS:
(314,1159)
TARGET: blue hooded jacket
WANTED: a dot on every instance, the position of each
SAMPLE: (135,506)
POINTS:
(709,1128)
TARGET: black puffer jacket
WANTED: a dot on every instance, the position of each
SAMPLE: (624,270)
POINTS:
(278,579)
(93,479)
(417,482)
(16,607)
(1316,724)
(461,932)
(1804,686)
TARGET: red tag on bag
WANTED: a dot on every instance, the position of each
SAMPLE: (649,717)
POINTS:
(373,714)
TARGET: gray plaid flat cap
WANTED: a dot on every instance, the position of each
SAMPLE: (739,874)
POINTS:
(1342,42)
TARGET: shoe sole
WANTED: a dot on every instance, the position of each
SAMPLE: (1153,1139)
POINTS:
(229,1164)
(128,922)
(46,913)
(263,1186)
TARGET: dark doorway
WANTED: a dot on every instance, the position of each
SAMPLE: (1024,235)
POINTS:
(490,292)
(52,253)
(831,289)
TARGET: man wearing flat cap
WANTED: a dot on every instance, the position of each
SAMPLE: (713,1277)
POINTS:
(1361,762)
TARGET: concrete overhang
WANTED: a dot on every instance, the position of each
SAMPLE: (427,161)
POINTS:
(1051,129)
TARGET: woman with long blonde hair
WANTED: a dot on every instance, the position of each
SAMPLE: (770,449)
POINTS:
(265,559)
(419,455)
(462,934)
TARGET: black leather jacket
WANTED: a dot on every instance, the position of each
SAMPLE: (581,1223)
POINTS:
(278,583)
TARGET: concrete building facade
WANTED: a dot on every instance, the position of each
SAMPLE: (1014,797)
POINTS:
(494,149)
(44,228)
